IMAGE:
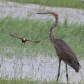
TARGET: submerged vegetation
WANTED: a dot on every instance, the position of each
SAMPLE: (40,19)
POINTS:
(55,3)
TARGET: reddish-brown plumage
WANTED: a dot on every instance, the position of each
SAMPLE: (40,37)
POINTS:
(64,52)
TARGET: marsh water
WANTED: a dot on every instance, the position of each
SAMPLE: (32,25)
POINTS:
(28,11)
(40,67)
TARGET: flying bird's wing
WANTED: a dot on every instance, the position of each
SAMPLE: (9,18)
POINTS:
(15,36)
(32,41)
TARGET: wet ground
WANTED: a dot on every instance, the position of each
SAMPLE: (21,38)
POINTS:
(29,11)
(41,68)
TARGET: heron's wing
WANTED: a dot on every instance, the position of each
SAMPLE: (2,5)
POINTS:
(32,41)
(67,55)
(64,51)
(15,36)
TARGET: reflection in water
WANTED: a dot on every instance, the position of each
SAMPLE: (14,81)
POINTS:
(41,68)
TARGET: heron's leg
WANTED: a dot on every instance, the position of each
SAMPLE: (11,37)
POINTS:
(59,69)
(66,73)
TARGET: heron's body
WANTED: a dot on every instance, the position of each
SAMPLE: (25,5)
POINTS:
(64,52)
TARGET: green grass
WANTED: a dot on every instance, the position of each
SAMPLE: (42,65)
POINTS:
(39,30)
(25,81)
(28,81)
(55,3)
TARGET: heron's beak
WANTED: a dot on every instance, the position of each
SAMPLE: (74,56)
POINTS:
(44,13)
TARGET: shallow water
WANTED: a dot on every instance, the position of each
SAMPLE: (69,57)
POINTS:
(41,68)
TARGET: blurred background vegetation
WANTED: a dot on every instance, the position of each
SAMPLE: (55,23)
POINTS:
(55,3)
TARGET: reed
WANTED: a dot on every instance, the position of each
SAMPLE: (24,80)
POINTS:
(55,3)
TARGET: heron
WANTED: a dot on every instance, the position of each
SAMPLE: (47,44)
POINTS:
(23,39)
(64,52)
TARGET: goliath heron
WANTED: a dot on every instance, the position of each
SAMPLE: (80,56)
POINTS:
(64,52)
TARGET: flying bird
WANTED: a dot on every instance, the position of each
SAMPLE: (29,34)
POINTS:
(23,39)
(64,52)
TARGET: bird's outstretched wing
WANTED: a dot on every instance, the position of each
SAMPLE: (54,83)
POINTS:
(32,41)
(23,38)
(15,36)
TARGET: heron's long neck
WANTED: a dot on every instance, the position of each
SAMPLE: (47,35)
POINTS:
(52,39)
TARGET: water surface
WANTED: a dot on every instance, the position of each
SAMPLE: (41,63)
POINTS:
(40,67)
(29,11)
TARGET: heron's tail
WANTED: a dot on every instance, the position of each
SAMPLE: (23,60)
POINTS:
(76,66)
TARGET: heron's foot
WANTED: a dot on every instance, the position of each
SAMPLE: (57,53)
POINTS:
(58,76)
